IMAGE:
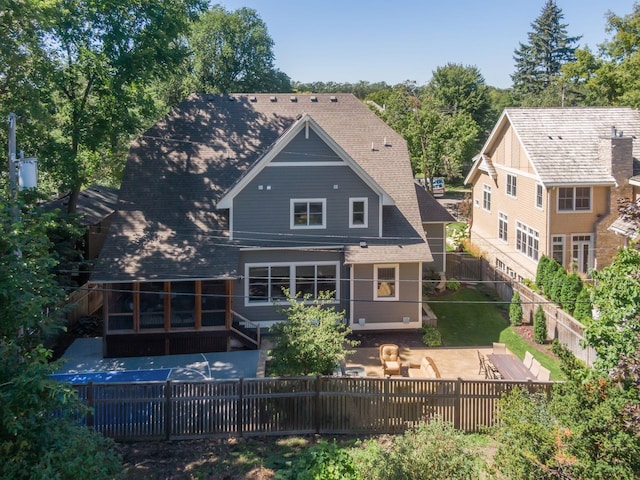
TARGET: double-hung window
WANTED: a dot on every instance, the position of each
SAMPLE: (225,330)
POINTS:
(511,185)
(557,248)
(308,213)
(574,199)
(486,197)
(527,241)
(358,214)
(539,196)
(385,282)
(503,224)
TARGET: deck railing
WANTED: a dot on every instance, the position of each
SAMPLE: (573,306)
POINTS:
(246,329)
(282,406)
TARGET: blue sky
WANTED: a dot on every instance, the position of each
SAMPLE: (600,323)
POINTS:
(394,41)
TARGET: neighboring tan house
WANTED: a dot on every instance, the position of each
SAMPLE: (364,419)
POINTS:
(230,198)
(547,182)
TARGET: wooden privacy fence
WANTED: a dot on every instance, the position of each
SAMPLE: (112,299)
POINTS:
(283,406)
(84,301)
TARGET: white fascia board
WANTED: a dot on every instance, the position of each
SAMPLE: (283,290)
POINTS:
(304,122)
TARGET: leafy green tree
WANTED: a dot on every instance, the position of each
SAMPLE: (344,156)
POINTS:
(39,436)
(457,88)
(539,326)
(515,309)
(92,63)
(233,52)
(555,283)
(616,298)
(312,341)
(610,76)
(539,62)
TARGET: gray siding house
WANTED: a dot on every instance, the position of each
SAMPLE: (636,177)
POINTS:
(229,199)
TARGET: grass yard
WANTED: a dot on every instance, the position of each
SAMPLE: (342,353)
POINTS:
(470,318)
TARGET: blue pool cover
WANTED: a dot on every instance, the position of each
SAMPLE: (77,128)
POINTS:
(125,376)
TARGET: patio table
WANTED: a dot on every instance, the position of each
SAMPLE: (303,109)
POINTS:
(510,367)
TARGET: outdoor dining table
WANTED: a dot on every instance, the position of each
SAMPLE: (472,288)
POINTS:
(510,367)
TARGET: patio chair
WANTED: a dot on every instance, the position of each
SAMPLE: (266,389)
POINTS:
(499,348)
(390,359)
(493,372)
(535,367)
(528,359)
(544,375)
(483,363)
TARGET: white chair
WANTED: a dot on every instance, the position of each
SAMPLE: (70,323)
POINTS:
(535,367)
(528,359)
(544,375)
(499,348)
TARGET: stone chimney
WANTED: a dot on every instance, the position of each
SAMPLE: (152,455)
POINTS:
(615,152)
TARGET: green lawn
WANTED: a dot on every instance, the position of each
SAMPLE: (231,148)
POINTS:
(470,318)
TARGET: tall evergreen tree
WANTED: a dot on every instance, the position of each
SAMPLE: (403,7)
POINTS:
(539,62)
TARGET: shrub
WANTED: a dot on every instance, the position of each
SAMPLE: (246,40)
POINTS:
(515,310)
(556,282)
(453,284)
(582,310)
(571,288)
(539,326)
(429,281)
(548,274)
(431,336)
(541,271)
(324,461)
(433,450)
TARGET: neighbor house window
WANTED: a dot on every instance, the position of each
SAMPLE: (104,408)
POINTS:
(308,213)
(358,217)
(527,241)
(265,284)
(486,197)
(557,248)
(511,185)
(539,197)
(574,199)
(502,226)
(385,282)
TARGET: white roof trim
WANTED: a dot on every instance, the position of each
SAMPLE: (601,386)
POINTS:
(304,122)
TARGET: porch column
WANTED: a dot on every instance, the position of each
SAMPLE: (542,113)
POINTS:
(228,315)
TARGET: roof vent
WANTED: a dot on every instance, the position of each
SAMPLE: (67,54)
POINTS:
(273,99)
(333,98)
(293,98)
(313,98)
(253,99)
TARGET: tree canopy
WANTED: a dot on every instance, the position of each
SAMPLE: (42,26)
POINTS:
(233,52)
(539,61)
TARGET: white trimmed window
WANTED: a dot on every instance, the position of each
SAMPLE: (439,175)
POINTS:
(264,283)
(503,226)
(308,213)
(557,248)
(385,283)
(486,197)
(574,199)
(511,185)
(358,212)
(527,241)
(539,195)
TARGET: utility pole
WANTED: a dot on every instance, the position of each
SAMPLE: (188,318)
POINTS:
(13,171)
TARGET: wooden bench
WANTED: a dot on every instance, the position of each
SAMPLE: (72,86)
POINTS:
(425,369)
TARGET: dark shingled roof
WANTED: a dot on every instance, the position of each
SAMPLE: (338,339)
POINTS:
(94,204)
(430,209)
(167,226)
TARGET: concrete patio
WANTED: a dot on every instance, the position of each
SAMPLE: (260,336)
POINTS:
(459,362)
